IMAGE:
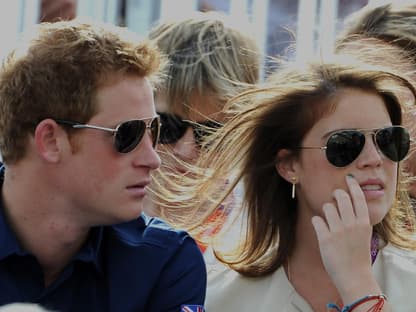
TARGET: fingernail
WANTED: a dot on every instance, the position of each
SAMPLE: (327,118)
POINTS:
(350,175)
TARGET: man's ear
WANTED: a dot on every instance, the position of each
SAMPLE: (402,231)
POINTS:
(49,140)
(285,165)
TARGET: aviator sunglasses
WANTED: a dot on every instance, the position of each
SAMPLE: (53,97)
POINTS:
(127,135)
(344,146)
(174,128)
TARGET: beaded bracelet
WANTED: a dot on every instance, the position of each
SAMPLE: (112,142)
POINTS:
(350,307)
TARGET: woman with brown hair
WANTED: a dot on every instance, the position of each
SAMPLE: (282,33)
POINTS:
(326,223)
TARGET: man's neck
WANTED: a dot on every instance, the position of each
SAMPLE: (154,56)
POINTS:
(42,225)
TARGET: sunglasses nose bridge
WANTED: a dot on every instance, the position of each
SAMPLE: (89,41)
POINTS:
(153,129)
(373,140)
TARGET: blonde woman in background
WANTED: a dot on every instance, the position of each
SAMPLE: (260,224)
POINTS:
(212,58)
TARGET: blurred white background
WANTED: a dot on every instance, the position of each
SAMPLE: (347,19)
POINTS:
(276,23)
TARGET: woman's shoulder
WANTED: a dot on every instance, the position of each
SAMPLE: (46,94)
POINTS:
(395,271)
(220,273)
(397,255)
(230,291)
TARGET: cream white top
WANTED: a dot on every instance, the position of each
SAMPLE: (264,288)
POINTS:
(394,269)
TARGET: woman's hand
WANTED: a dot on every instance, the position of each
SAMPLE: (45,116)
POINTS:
(344,238)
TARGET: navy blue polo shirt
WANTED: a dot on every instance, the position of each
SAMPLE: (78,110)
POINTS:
(142,265)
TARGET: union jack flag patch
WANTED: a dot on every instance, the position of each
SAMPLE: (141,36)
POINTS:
(192,308)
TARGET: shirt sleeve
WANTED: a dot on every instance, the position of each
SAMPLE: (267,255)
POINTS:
(183,280)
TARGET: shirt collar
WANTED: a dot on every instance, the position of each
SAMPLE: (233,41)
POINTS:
(91,251)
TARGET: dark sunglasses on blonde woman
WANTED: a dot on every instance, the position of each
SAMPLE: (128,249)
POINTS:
(344,146)
(174,128)
(127,135)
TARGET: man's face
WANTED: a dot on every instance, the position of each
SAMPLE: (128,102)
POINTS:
(109,186)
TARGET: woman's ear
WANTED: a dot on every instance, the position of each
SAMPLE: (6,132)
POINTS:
(48,136)
(285,165)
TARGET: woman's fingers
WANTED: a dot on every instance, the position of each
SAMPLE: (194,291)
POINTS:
(321,228)
(349,207)
(345,206)
(358,199)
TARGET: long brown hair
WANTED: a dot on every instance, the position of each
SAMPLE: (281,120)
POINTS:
(278,115)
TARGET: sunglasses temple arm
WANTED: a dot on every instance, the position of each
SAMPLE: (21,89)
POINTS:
(94,127)
(313,147)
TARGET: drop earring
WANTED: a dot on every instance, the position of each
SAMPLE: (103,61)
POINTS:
(294,180)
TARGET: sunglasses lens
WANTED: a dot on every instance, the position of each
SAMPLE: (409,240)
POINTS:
(344,147)
(173,128)
(129,134)
(393,142)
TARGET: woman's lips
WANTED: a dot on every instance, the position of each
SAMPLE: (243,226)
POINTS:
(373,188)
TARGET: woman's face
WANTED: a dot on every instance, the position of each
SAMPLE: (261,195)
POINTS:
(202,109)
(377,175)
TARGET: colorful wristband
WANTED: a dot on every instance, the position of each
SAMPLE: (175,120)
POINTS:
(350,307)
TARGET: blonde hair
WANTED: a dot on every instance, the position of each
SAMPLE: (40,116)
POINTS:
(209,54)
